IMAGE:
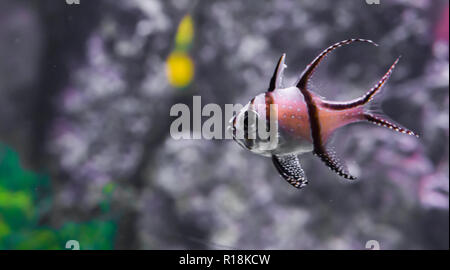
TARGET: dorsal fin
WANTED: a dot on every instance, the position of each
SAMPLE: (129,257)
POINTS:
(275,81)
(309,70)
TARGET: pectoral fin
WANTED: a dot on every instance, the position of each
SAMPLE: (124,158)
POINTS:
(290,169)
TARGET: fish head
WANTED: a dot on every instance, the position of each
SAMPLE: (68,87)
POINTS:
(251,129)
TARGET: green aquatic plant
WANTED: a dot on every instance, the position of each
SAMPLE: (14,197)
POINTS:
(26,196)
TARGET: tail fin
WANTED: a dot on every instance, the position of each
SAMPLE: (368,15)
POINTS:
(364,101)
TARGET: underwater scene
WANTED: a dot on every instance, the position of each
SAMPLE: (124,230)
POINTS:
(128,125)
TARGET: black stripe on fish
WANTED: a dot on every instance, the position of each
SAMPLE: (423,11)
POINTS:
(314,122)
(329,158)
(268,98)
(249,143)
(234,127)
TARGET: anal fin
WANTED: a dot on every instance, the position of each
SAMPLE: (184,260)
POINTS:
(329,157)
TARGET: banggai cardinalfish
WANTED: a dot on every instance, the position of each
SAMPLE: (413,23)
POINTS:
(297,121)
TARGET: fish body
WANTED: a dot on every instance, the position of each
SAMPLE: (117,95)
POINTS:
(292,123)
(298,121)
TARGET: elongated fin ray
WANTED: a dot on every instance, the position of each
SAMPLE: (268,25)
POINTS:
(290,169)
(275,81)
(364,99)
(378,120)
(309,70)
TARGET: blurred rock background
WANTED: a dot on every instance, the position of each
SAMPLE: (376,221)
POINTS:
(85,149)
